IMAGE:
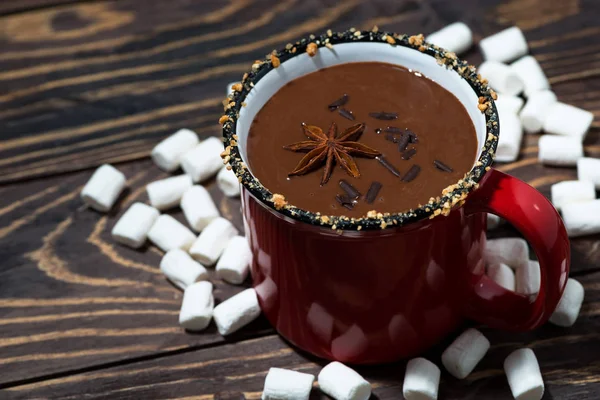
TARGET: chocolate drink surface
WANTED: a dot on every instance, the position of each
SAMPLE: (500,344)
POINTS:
(357,137)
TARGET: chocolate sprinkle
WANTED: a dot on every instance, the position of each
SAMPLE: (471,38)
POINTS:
(339,102)
(413,136)
(393,129)
(378,131)
(346,114)
(412,173)
(403,142)
(345,201)
(349,189)
(408,154)
(373,192)
(391,137)
(388,166)
(441,166)
(386,116)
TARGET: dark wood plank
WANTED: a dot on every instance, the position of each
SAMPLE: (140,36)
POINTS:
(568,360)
(70,297)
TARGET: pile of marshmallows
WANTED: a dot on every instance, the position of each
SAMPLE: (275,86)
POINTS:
(188,255)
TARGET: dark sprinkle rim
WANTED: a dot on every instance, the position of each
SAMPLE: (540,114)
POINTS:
(451,197)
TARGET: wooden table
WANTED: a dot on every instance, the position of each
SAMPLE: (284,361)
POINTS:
(88,82)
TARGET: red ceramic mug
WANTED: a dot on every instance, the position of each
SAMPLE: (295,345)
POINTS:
(388,287)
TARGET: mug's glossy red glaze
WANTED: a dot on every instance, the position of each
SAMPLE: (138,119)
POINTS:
(378,296)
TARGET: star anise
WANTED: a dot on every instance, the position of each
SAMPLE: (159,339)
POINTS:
(329,149)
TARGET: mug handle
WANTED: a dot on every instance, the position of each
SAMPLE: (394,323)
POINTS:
(541,225)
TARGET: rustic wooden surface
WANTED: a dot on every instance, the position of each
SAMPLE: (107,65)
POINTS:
(88,82)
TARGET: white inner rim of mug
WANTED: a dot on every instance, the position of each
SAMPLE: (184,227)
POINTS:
(343,53)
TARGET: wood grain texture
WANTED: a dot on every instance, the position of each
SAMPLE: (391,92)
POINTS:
(567,357)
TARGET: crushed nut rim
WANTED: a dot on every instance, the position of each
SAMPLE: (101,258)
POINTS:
(451,197)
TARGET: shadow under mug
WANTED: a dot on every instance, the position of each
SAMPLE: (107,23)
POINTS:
(379,295)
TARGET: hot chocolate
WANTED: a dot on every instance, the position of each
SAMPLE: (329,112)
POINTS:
(361,136)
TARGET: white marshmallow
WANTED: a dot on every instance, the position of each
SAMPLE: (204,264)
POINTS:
(198,207)
(236,312)
(524,376)
(501,78)
(528,278)
(567,120)
(421,381)
(509,141)
(504,46)
(204,160)
(568,307)
(235,261)
(537,107)
(510,251)
(197,306)
(284,384)
(343,383)
(212,241)
(104,187)
(503,275)
(532,75)
(493,221)
(566,192)
(559,150)
(588,169)
(463,355)
(166,193)
(133,227)
(456,37)
(582,218)
(167,154)
(228,182)
(167,233)
(180,269)
(508,104)
(230,88)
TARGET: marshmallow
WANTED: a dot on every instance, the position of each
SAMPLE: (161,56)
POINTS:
(532,75)
(198,207)
(103,188)
(501,77)
(509,140)
(559,150)
(582,218)
(461,357)
(180,269)
(535,110)
(421,380)
(524,376)
(493,221)
(167,233)
(166,193)
(233,264)
(568,307)
(288,385)
(509,104)
(230,88)
(343,383)
(528,278)
(566,192)
(502,275)
(567,120)
(197,306)
(133,227)
(204,160)
(456,37)
(504,46)
(212,241)
(228,182)
(236,312)
(167,154)
(510,251)
(588,169)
